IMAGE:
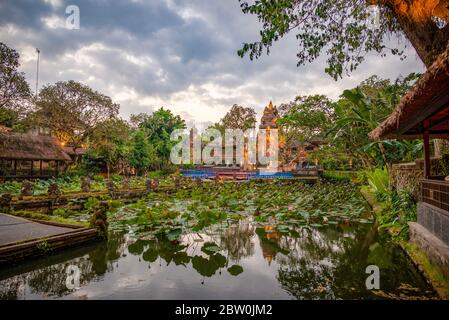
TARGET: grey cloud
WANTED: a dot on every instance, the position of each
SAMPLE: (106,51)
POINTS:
(177,45)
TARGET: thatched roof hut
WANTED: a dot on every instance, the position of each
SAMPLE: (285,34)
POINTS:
(424,108)
(15,146)
(424,113)
(74,152)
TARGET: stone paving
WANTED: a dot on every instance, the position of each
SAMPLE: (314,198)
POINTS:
(15,229)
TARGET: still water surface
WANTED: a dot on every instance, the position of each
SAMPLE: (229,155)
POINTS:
(238,261)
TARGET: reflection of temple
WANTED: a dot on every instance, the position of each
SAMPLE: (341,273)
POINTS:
(269,238)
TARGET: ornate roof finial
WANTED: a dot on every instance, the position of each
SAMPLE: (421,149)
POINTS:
(270,105)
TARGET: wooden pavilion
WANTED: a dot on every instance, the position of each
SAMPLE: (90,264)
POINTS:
(25,156)
(423,113)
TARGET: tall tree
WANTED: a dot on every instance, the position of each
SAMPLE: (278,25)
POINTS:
(341,29)
(360,110)
(159,127)
(15,93)
(72,110)
(141,153)
(239,118)
(306,117)
(109,142)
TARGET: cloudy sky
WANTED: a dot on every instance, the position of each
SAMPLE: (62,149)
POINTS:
(180,54)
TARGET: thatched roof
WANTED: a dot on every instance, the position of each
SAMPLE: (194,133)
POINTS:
(71,151)
(30,147)
(425,106)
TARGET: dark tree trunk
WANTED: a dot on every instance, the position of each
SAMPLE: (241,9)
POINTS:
(428,40)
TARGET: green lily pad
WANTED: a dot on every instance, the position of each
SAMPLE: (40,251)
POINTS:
(210,248)
(174,234)
(150,255)
(235,270)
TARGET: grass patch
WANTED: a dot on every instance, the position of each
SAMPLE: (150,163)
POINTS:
(393,211)
(433,273)
(391,217)
(45,217)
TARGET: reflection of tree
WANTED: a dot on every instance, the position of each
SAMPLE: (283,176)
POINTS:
(166,250)
(329,263)
(237,240)
(107,252)
(11,288)
(311,260)
(49,276)
(207,267)
(174,252)
(312,263)
(50,280)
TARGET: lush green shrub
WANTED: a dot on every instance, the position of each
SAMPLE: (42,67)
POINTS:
(362,176)
(399,209)
(12,187)
(378,182)
(117,178)
(98,178)
(335,176)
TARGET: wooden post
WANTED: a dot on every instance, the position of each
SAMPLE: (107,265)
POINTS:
(57,168)
(32,167)
(15,167)
(40,168)
(426,155)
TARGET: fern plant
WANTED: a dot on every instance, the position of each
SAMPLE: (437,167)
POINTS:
(378,181)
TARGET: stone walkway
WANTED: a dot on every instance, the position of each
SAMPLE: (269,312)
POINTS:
(15,229)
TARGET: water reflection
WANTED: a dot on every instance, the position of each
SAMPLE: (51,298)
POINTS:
(240,260)
(237,240)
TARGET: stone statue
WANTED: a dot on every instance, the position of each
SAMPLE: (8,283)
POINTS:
(54,191)
(5,203)
(125,183)
(99,219)
(27,188)
(86,183)
(177,181)
(154,184)
(110,185)
(151,184)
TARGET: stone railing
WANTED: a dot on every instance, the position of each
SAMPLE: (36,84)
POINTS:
(408,176)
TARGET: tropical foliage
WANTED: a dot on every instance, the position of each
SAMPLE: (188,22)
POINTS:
(158,127)
(110,143)
(359,111)
(15,92)
(346,30)
(71,111)
(306,117)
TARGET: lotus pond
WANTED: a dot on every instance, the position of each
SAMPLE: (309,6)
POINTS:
(272,240)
